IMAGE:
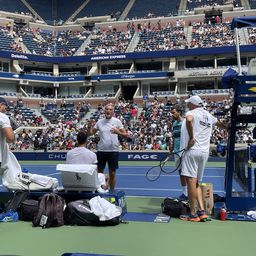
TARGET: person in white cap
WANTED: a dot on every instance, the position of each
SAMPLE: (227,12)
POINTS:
(196,131)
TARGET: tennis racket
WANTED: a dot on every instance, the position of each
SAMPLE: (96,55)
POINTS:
(165,165)
(168,167)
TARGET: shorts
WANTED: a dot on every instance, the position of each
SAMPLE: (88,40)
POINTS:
(110,158)
(193,164)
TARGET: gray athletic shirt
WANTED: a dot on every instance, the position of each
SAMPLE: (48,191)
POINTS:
(108,141)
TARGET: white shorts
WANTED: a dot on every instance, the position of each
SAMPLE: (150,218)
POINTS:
(193,164)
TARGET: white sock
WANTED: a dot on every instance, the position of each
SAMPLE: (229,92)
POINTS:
(185,190)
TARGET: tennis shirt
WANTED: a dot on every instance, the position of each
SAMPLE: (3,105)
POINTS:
(81,155)
(4,123)
(108,141)
(203,123)
(176,128)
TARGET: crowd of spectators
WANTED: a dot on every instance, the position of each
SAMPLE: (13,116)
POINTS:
(251,35)
(149,127)
(50,43)
(153,36)
(108,41)
(191,4)
(163,38)
(208,35)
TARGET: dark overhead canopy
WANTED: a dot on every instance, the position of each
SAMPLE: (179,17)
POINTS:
(249,21)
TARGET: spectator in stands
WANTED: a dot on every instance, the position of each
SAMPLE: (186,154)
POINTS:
(108,146)
(6,131)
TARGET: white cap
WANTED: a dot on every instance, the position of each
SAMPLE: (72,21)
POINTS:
(196,100)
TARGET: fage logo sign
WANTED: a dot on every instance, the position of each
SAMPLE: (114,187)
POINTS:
(152,157)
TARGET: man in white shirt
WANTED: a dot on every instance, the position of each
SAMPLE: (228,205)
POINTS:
(6,131)
(196,132)
(82,155)
(109,129)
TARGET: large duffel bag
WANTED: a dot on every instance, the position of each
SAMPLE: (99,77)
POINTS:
(174,207)
(79,213)
(28,209)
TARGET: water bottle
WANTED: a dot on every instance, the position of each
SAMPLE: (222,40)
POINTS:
(223,214)
(24,170)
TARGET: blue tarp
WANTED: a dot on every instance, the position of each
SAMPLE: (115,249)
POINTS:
(228,78)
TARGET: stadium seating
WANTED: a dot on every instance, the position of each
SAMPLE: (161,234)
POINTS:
(15,6)
(191,5)
(106,42)
(149,9)
(158,40)
(107,7)
(212,35)
(5,41)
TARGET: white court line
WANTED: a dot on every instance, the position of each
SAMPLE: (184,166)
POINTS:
(161,189)
(143,174)
(120,167)
(158,189)
(167,175)
(52,174)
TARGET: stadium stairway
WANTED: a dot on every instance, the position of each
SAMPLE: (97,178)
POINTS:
(127,9)
(82,47)
(38,113)
(88,115)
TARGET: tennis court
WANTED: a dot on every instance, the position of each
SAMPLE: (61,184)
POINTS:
(135,238)
(132,180)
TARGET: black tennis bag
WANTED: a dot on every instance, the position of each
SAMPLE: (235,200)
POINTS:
(79,213)
(14,203)
(174,207)
(28,209)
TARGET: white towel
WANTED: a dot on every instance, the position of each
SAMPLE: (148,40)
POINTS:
(252,214)
(104,209)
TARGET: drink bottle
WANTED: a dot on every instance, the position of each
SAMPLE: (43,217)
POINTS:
(223,214)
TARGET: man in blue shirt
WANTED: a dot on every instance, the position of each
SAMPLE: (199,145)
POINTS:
(176,112)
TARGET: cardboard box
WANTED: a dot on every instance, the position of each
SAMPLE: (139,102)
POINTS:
(207,192)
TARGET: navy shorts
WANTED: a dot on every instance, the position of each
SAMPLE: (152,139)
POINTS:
(110,158)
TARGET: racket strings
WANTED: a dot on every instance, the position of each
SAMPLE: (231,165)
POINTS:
(168,168)
(164,166)
(153,173)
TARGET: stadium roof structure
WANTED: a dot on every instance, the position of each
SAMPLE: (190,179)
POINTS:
(249,21)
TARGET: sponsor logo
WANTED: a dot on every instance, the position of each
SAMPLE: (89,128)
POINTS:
(142,157)
(83,207)
(112,57)
(57,156)
(207,73)
(127,76)
(205,124)
(78,177)
(19,56)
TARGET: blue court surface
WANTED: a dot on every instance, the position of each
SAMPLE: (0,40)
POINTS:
(132,180)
